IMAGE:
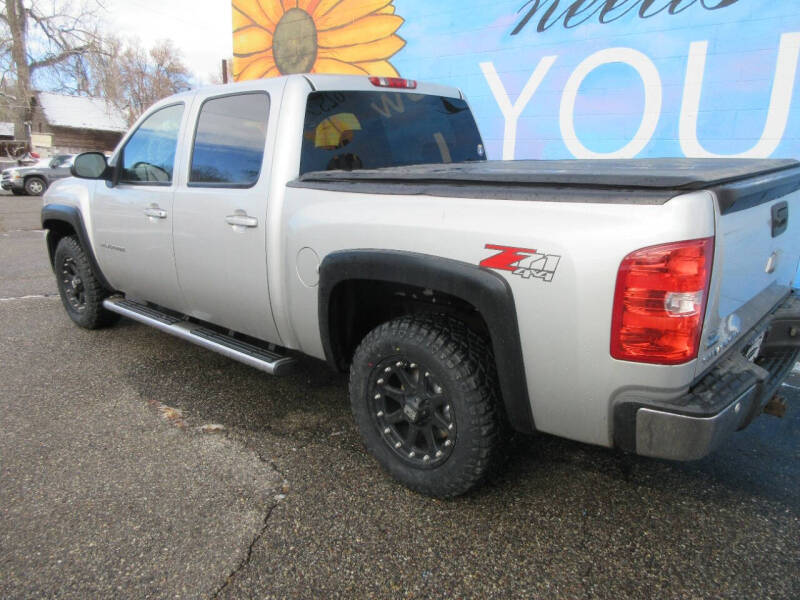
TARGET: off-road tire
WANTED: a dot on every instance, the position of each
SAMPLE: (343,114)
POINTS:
(35,186)
(462,363)
(69,258)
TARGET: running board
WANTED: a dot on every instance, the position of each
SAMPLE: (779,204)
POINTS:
(249,354)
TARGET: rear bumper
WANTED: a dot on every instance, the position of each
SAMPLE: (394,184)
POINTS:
(724,400)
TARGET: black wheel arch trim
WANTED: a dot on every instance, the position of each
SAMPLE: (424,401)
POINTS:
(486,290)
(55,213)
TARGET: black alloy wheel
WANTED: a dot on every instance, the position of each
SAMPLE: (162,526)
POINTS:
(81,292)
(72,284)
(412,412)
(424,396)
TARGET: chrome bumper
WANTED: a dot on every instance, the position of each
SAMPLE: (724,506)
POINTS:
(662,434)
(12,184)
(724,400)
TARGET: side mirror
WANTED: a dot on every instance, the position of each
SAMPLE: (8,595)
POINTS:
(90,165)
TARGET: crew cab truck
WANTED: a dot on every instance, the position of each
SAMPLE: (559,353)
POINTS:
(639,304)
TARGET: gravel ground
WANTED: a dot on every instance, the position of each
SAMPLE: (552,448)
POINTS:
(109,488)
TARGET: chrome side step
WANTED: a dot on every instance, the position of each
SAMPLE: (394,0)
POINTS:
(249,354)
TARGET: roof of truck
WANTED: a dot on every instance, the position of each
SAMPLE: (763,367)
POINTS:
(332,82)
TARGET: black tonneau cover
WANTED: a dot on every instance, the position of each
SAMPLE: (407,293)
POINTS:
(632,181)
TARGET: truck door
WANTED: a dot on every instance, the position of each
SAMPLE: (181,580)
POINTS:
(59,167)
(220,213)
(132,220)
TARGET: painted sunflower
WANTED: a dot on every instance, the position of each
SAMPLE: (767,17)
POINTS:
(279,37)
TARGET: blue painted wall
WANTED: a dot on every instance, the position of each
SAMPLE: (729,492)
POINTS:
(615,77)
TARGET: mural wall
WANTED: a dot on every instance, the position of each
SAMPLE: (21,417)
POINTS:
(562,78)
(279,37)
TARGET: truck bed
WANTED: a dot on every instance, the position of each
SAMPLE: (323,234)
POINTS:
(643,181)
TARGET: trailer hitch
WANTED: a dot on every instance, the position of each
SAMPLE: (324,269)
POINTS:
(776,406)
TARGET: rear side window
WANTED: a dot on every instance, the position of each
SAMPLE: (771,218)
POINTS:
(370,130)
(149,154)
(229,141)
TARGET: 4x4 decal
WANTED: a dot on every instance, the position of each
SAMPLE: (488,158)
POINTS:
(525,262)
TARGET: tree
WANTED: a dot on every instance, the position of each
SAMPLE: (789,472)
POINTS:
(44,40)
(131,77)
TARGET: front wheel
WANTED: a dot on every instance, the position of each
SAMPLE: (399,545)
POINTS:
(423,393)
(81,293)
(35,186)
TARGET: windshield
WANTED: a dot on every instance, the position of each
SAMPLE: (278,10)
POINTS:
(370,130)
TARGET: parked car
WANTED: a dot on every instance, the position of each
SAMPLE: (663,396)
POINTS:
(639,304)
(35,179)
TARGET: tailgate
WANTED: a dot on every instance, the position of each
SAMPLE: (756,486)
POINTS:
(756,258)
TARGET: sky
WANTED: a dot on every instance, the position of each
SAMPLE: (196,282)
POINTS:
(201,30)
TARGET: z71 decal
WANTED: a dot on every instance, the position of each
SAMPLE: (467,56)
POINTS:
(524,262)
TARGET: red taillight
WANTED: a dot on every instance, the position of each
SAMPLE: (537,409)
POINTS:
(394,82)
(660,302)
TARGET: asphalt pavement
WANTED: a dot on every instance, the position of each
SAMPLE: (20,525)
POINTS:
(135,465)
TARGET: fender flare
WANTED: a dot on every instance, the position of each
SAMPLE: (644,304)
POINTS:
(41,176)
(486,290)
(52,214)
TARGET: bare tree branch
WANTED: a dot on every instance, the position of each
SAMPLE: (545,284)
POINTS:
(59,42)
(52,60)
(45,41)
(132,77)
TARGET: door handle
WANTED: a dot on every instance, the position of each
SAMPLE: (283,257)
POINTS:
(780,218)
(155,212)
(241,221)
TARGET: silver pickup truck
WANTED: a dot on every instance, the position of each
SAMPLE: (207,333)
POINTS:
(640,304)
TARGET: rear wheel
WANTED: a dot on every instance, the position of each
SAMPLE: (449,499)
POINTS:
(81,293)
(423,394)
(35,186)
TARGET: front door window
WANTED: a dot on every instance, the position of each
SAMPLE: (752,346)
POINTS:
(149,154)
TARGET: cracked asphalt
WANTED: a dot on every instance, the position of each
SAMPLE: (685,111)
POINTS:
(109,488)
